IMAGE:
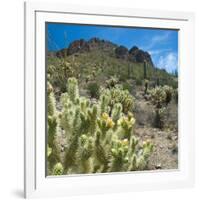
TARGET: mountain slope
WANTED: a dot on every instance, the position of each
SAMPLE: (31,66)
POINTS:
(97,60)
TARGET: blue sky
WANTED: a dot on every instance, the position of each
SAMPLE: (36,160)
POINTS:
(161,44)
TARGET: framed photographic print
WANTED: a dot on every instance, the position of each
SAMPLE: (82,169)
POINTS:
(109,100)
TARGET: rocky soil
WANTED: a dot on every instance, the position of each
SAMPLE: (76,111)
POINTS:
(165,155)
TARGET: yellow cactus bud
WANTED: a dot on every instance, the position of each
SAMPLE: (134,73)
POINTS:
(125,142)
(110,123)
(105,116)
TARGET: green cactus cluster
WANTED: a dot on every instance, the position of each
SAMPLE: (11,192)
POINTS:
(112,82)
(99,137)
(160,97)
(169,93)
(118,95)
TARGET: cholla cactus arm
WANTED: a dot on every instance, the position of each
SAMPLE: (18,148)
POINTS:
(143,157)
(52,126)
(147,149)
(84,105)
(104,103)
(105,123)
(66,117)
(101,155)
(49,150)
(116,112)
(73,141)
(50,100)
(54,157)
(126,125)
(133,144)
(92,116)
(132,163)
(119,158)
(72,89)
(84,153)
(58,169)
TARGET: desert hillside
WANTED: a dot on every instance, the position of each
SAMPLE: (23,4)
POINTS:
(100,66)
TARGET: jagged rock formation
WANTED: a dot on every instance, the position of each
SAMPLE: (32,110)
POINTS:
(82,46)
(121,52)
(138,55)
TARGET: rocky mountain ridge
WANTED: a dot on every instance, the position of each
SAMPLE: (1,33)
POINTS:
(133,54)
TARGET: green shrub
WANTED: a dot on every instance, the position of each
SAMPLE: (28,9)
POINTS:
(127,86)
(93,89)
(138,82)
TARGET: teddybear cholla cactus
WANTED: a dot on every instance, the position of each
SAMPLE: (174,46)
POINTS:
(52,148)
(161,97)
(112,82)
(118,95)
(169,93)
(98,138)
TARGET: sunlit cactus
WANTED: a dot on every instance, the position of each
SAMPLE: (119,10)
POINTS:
(99,136)
(158,98)
(112,82)
(54,156)
(58,169)
(72,89)
(118,95)
(169,93)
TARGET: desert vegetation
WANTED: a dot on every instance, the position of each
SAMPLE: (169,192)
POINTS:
(109,110)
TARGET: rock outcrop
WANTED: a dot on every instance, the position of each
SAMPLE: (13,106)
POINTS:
(138,55)
(121,52)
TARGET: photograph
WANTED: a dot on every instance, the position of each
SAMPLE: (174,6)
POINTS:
(111,99)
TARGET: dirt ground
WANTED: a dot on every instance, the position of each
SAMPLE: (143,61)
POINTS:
(165,155)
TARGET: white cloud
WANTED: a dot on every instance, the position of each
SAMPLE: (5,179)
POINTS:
(161,37)
(158,51)
(168,62)
(157,39)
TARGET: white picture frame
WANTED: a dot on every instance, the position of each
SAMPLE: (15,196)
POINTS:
(36,184)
